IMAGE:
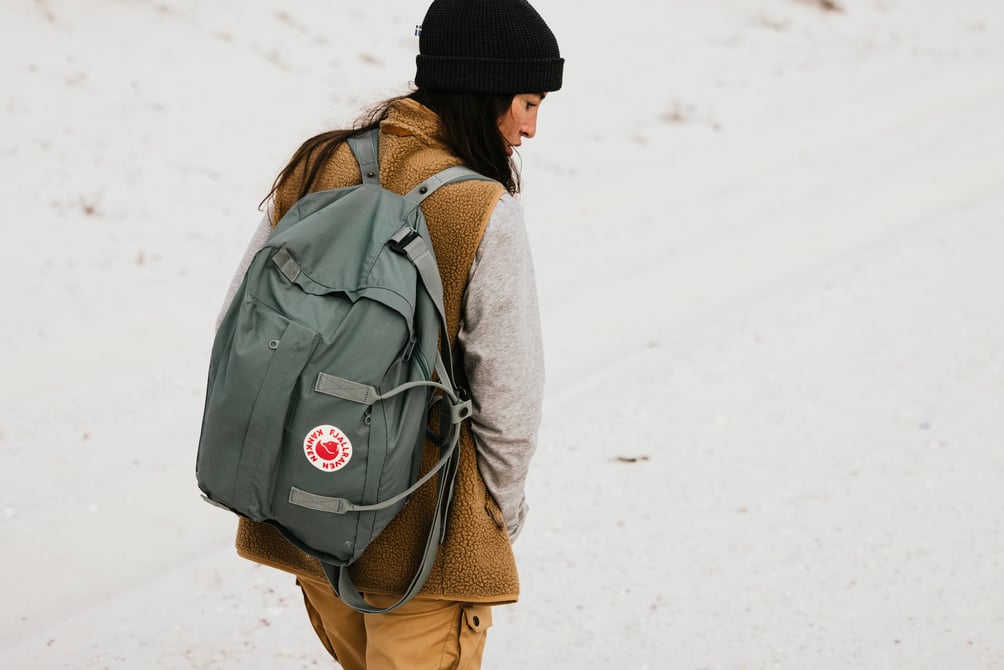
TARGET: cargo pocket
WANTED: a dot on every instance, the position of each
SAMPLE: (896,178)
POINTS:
(474,624)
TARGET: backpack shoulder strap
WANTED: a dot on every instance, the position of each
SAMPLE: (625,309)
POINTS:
(408,243)
(450,175)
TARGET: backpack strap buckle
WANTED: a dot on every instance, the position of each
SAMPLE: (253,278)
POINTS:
(399,242)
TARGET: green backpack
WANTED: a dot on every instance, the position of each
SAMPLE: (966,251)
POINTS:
(321,376)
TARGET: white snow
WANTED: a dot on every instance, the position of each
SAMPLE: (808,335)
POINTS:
(768,240)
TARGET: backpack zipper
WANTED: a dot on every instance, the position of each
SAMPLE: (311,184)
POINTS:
(422,364)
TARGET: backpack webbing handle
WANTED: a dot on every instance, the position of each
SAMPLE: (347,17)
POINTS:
(341,580)
(365,148)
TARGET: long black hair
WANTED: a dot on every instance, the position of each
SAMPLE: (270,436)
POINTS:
(469,127)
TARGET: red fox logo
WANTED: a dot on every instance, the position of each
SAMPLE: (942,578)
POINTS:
(327,448)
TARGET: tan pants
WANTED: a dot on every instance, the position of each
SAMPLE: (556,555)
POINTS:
(420,635)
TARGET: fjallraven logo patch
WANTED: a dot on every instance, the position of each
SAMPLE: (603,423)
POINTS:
(327,448)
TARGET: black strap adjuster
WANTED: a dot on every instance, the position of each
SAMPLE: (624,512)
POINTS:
(399,245)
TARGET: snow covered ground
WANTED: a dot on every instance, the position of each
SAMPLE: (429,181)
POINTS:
(769,241)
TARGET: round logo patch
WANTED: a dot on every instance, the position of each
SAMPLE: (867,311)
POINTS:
(327,448)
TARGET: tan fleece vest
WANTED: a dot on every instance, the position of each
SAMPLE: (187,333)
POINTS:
(475,563)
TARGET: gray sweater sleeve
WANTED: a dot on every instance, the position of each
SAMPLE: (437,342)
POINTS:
(503,354)
(503,357)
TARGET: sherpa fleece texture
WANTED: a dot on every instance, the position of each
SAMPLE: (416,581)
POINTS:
(475,563)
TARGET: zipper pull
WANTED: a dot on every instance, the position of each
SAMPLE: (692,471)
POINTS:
(409,349)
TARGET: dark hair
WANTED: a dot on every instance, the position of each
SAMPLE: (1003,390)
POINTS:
(469,126)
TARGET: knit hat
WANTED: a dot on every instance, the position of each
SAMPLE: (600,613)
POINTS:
(487,46)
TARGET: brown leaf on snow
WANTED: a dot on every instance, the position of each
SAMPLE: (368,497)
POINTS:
(630,459)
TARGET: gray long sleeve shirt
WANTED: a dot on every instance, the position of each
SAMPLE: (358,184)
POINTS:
(502,351)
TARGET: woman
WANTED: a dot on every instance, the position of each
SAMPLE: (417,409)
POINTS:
(483,69)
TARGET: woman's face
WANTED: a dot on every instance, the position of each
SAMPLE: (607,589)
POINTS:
(520,120)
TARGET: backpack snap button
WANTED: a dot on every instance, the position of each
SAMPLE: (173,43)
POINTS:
(273,344)
(423,190)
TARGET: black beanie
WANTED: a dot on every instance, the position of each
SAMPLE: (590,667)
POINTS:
(487,46)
